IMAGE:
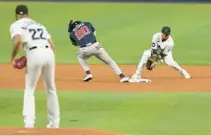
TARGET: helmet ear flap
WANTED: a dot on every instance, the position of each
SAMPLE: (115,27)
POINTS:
(70,27)
(71,21)
(77,22)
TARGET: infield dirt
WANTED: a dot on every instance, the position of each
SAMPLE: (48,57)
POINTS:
(69,77)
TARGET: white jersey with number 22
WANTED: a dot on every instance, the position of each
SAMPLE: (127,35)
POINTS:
(32,33)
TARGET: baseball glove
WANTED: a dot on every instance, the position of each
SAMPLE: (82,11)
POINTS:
(20,62)
(150,64)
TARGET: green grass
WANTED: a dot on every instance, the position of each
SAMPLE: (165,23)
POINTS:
(125,30)
(127,113)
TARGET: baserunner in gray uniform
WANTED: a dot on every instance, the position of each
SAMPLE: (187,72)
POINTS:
(83,34)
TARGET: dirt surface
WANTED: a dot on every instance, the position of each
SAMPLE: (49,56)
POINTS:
(61,131)
(69,77)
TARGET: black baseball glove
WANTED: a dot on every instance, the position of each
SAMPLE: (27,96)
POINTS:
(150,64)
(152,60)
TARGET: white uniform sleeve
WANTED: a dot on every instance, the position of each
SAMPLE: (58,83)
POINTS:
(169,48)
(46,34)
(154,42)
(15,30)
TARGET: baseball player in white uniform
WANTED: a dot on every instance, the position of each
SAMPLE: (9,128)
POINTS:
(161,50)
(39,50)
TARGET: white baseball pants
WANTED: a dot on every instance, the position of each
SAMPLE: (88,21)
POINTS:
(168,60)
(40,61)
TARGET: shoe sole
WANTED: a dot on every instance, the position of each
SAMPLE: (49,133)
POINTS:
(125,81)
(187,77)
(88,79)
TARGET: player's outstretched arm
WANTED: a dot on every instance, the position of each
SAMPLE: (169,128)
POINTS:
(16,46)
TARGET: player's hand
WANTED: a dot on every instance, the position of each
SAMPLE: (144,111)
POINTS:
(13,62)
(153,65)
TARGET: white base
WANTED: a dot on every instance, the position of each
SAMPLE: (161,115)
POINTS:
(140,80)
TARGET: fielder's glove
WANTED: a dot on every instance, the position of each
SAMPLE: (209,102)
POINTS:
(150,64)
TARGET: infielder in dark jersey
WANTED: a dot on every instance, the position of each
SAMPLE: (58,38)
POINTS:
(83,35)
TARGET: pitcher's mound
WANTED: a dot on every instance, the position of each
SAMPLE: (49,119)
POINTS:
(64,131)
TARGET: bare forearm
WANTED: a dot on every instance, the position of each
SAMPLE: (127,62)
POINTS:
(53,48)
(15,50)
(50,41)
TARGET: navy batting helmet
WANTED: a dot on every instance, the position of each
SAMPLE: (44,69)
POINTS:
(72,25)
(166,30)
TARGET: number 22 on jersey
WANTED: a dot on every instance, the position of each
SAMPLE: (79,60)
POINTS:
(81,32)
(37,34)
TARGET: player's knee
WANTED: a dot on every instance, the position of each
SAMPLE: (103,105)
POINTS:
(171,64)
(50,87)
(29,90)
(110,62)
(79,56)
(51,91)
(146,53)
(107,61)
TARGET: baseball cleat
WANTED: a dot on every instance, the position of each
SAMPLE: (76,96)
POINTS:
(124,79)
(52,126)
(186,74)
(135,78)
(87,78)
(29,126)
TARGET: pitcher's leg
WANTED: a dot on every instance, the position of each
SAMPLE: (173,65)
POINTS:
(31,77)
(48,74)
(171,62)
(83,62)
(103,56)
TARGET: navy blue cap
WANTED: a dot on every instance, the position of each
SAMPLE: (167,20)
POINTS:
(21,10)
(166,30)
